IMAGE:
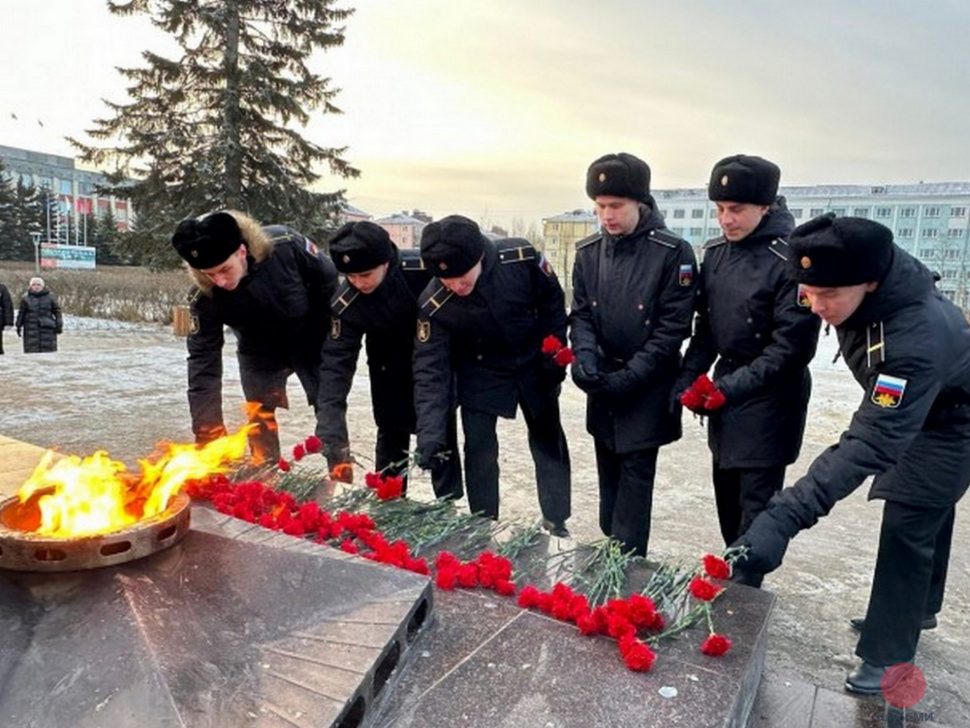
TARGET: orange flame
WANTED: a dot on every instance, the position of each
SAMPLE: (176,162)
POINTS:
(95,494)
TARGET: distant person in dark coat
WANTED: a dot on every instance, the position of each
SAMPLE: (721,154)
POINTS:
(481,324)
(39,319)
(273,289)
(759,333)
(6,312)
(633,299)
(376,307)
(908,347)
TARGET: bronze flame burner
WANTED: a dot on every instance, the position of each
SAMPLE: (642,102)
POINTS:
(23,550)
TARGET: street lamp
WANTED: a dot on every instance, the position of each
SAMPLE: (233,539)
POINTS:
(36,238)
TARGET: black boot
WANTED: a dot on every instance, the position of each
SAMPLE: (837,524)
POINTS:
(865,679)
(857,623)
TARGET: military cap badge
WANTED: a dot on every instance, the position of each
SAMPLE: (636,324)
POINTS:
(806,262)
(724,181)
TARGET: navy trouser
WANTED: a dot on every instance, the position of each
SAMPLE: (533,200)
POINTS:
(626,495)
(547,443)
(741,494)
(910,578)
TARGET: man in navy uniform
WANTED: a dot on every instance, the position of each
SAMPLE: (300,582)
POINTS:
(909,349)
(273,289)
(752,321)
(482,320)
(378,300)
(633,297)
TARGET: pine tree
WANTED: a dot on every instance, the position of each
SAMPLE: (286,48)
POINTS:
(215,128)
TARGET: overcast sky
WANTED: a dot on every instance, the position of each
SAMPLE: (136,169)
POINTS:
(494,108)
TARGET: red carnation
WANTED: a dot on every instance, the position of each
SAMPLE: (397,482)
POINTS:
(639,657)
(446,579)
(298,451)
(551,345)
(349,546)
(716,645)
(446,560)
(716,567)
(564,357)
(703,589)
(372,480)
(617,626)
(283,465)
(468,576)
(505,588)
(529,596)
(588,624)
(391,488)
(313,444)
(640,610)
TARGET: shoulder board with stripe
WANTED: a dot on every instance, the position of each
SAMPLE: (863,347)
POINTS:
(411,260)
(282,233)
(714,242)
(430,303)
(515,251)
(342,299)
(589,240)
(779,246)
(665,238)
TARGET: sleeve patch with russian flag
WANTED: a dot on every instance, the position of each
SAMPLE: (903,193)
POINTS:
(888,391)
(686,276)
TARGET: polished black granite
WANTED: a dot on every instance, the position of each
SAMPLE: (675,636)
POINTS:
(215,631)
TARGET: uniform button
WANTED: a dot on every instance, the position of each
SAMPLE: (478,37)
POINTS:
(647,322)
(383,368)
(640,306)
(749,319)
(594,303)
(479,357)
(757,336)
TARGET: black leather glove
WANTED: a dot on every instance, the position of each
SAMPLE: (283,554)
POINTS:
(551,372)
(767,540)
(432,457)
(18,332)
(586,377)
(619,384)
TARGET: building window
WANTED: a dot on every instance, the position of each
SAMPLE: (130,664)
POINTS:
(695,214)
(861,212)
(677,230)
(929,233)
(927,253)
(953,254)
(839,211)
(696,232)
(816,211)
(884,212)
(64,186)
(907,212)
(678,213)
(796,212)
(712,213)
(958,212)
(904,233)
(931,211)
(713,232)
(954,233)
(949,274)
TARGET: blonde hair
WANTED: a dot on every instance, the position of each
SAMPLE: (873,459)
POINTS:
(258,243)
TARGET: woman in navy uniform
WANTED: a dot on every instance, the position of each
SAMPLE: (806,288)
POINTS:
(378,300)
(908,347)
(482,321)
(273,289)
(751,321)
(633,295)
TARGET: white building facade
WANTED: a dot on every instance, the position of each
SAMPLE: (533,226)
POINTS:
(929,220)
